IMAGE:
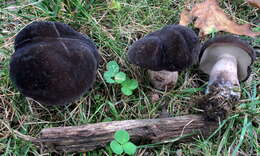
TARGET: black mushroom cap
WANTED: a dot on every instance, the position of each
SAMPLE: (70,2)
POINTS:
(172,48)
(230,40)
(53,63)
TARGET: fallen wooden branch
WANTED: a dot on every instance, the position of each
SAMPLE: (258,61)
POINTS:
(93,136)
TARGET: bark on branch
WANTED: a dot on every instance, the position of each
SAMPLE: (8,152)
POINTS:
(92,136)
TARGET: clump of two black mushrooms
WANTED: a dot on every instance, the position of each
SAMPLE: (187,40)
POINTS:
(54,65)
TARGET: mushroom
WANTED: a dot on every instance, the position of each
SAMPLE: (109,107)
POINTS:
(164,53)
(52,63)
(227,60)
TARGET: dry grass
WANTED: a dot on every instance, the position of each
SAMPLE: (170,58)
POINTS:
(113,31)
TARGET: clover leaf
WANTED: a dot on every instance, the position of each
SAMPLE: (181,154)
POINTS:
(126,91)
(131,84)
(108,77)
(122,136)
(129,148)
(113,75)
(122,144)
(116,147)
(128,86)
(120,77)
(112,67)
(112,70)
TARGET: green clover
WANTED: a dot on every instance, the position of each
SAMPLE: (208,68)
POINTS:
(112,67)
(128,86)
(120,77)
(122,136)
(126,91)
(113,75)
(122,144)
(108,77)
(112,71)
(116,147)
(129,148)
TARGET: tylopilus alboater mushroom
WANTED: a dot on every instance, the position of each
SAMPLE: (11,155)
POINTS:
(52,63)
(164,53)
(227,60)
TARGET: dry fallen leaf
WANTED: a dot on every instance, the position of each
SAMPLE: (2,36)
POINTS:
(254,3)
(210,17)
(185,18)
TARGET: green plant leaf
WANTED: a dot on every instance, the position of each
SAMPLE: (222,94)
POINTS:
(113,67)
(130,84)
(113,110)
(120,77)
(129,148)
(116,147)
(126,91)
(122,136)
(108,77)
(115,5)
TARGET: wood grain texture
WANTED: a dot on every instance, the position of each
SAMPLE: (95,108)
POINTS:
(92,136)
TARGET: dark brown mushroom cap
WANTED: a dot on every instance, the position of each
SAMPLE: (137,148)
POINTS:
(230,40)
(53,63)
(45,30)
(172,48)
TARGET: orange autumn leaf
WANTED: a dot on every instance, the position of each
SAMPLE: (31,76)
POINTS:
(185,18)
(210,17)
(254,3)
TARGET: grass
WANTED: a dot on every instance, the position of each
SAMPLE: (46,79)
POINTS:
(113,31)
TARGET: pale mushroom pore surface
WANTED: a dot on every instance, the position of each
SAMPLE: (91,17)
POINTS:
(211,56)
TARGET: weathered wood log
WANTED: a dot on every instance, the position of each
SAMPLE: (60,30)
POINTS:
(92,136)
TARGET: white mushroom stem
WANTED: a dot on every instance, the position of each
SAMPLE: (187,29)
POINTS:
(163,79)
(224,77)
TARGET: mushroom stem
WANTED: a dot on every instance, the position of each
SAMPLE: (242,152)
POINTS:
(223,78)
(163,79)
